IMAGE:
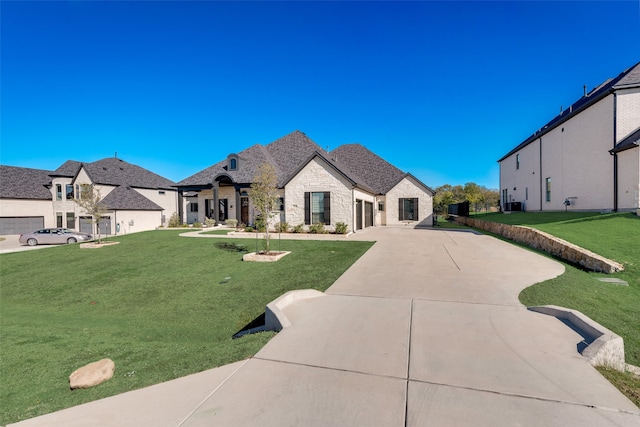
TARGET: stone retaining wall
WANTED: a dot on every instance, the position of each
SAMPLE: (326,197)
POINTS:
(546,242)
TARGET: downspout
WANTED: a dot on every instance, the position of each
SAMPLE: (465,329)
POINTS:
(540,172)
(615,155)
(353,208)
(216,205)
(180,209)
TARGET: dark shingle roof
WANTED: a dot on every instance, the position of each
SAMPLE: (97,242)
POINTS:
(126,198)
(376,172)
(114,171)
(285,154)
(292,152)
(68,169)
(628,78)
(630,141)
(24,183)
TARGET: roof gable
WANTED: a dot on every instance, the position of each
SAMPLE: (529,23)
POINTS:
(24,183)
(285,154)
(126,198)
(376,172)
(117,172)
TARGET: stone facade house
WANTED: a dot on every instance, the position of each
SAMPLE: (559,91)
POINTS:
(350,184)
(586,158)
(136,199)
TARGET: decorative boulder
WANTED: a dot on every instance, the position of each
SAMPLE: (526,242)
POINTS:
(92,374)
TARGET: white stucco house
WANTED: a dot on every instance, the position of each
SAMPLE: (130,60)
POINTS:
(586,158)
(350,184)
(136,199)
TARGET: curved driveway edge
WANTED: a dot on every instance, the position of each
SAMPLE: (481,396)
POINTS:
(424,329)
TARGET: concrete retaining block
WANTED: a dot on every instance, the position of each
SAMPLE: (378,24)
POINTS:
(274,318)
(605,348)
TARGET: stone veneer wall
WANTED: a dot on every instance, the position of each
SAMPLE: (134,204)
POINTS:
(546,242)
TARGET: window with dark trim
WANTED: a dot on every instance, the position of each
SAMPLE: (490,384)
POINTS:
(59,192)
(233,164)
(193,206)
(281,204)
(71,220)
(69,192)
(59,219)
(517,161)
(408,209)
(317,208)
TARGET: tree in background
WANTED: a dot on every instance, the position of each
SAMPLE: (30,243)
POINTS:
(265,197)
(90,200)
(479,197)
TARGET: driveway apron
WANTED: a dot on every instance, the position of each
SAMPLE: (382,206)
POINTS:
(424,329)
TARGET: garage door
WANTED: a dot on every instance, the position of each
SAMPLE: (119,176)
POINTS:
(18,225)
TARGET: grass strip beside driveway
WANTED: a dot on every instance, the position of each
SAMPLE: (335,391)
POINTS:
(159,305)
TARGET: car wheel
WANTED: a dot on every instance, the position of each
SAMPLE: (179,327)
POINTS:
(71,240)
(32,242)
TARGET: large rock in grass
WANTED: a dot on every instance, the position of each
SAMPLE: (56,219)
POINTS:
(92,374)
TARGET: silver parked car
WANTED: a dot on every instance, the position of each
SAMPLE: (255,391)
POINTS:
(53,236)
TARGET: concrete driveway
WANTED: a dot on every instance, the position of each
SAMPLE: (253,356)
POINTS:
(11,244)
(425,329)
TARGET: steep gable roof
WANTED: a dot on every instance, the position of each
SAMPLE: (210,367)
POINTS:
(629,78)
(286,154)
(293,152)
(68,169)
(126,198)
(24,183)
(114,171)
(117,172)
(376,172)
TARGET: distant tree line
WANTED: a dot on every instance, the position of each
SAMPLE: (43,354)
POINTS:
(480,198)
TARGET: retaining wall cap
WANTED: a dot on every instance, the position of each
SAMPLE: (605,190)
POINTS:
(605,347)
(275,319)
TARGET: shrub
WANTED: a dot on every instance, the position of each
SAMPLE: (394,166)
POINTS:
(298,228)
(317,229)
(248,229)
(233,223)
(341,228)
(209,222)
(261,224)
(282,227)
(197,224)
(174,221)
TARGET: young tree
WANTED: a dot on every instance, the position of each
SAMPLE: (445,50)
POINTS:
(90,200)
(265,197)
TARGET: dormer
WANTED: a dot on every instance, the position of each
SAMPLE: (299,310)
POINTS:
(233,162)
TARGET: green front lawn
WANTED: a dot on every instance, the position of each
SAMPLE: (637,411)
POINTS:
(160,306)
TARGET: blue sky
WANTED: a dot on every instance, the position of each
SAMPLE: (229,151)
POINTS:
(439,89)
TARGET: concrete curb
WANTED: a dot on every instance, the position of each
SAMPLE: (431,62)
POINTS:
(274,318)
(604,348)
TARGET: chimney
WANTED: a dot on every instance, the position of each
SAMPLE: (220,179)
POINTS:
(584,88)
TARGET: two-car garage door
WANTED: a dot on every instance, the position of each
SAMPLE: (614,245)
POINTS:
(18,225)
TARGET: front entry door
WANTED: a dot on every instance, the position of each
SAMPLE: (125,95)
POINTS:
(244,210)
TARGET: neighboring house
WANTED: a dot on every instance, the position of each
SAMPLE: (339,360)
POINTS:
(25,200)
(586,158)
(135,198)
(350,184)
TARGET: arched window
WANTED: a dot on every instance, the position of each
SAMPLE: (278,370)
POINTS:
(233,163)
